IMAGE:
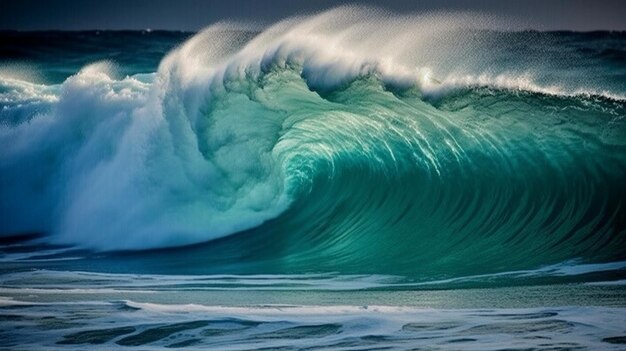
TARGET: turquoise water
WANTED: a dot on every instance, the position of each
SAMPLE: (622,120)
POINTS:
(383,170)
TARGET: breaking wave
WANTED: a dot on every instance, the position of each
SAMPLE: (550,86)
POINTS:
(327,146)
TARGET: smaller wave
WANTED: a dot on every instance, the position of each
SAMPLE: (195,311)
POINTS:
(58,281)
(63,254)
(52,282)
(609,283)
(569,268)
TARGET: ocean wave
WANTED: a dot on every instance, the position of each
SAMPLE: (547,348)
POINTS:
(326,145)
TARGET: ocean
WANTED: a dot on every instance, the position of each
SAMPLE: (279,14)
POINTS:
(341,181)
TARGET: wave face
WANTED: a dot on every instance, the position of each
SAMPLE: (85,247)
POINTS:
(343,142)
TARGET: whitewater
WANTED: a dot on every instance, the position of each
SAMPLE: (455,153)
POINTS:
(358,177)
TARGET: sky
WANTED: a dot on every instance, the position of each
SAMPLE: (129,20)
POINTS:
(191,15)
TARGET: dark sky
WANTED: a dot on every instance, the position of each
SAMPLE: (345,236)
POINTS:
(195,14)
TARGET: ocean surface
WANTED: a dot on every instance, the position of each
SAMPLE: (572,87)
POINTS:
(344,181)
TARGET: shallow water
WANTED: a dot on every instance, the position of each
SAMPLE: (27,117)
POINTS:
(104,314)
